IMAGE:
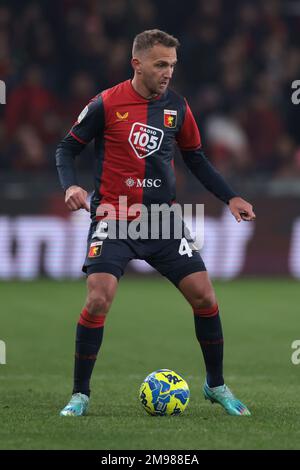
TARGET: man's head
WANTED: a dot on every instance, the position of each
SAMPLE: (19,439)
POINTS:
(153,59)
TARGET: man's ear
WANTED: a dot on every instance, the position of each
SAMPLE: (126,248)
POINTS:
(136,64)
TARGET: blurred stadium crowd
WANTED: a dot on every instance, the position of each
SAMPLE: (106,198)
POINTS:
(237,62)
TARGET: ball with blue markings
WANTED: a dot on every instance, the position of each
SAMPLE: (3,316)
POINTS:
(164,392)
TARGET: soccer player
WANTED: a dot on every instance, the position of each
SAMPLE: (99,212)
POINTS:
(135,125)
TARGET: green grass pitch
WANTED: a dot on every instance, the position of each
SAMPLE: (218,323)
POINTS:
(150,326)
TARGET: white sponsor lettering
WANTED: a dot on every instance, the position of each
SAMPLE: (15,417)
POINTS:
(143,183)
(148,183)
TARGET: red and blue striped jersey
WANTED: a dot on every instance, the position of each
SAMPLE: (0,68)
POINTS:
(134,148)
(135,140)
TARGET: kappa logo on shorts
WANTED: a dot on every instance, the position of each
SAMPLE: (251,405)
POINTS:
(95,249)
(145,139)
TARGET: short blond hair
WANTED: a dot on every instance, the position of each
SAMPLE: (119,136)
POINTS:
(149,38)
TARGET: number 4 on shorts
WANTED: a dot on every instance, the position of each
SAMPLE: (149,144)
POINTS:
(184,248)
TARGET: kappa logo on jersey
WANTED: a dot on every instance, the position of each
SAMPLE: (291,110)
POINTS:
(82,114)
(95,249)
(170,118)
(144,139)
(122,117)
(143,183)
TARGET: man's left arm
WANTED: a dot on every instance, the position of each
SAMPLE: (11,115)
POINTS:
(189,142)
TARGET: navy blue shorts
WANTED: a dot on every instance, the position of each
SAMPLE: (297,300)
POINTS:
(173,258)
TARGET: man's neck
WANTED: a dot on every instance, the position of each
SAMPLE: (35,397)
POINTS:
(142,90)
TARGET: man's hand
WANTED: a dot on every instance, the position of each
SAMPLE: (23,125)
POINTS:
(76,198)
(241,209)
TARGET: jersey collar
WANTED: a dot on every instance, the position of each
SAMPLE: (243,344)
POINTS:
(140,97)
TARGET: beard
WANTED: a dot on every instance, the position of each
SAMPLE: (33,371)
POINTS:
(154,88)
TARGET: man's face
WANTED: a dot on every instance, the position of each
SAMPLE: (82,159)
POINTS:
(157,66)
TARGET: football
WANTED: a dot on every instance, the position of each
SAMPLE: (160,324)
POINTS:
(164,392)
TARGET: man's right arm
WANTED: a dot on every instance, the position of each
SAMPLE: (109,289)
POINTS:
(65,155)
(90,123)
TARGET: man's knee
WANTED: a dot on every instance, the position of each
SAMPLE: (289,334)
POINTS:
(198,290)
(204,302)
(100,294)
(98,304)
(204,299)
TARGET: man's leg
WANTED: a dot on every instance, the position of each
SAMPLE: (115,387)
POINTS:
(198,291)
(89,334)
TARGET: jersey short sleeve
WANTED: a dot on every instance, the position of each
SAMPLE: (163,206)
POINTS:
(188,137)
(90,121)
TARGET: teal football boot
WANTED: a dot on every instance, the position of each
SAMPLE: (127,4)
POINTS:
(77,406)
(225,398)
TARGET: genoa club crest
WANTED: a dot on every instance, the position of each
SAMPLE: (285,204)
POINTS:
(170,118)
(95,249)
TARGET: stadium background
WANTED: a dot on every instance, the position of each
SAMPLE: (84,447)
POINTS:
(237,62)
